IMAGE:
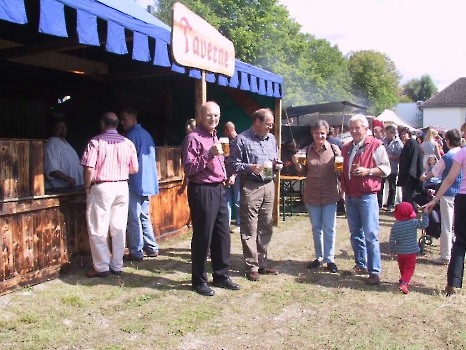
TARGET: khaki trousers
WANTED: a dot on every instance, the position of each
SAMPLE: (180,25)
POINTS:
(107,209)
(256,208)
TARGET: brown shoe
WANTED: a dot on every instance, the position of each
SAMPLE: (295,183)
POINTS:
(373,279)
(151,254)
(358,271)
(267,271)
(449,291)
(253,276)
(93,273)
(130,257)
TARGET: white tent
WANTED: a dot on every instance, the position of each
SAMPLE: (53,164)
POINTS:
(390,117)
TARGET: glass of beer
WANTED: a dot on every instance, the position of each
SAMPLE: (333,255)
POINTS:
(301,156)
(268,172)
(338,164)
(225,142)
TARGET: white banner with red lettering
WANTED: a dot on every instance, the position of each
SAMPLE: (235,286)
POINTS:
(195,43)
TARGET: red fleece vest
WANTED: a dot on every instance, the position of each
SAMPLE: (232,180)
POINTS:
(360,185)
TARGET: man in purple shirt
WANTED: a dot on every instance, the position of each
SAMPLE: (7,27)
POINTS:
(204,166)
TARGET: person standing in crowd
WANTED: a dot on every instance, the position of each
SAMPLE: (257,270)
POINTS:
(410,167)
(189,126)
(430,147)
(233,184)
(333,140)
(142,185)
(365,164)
(253,149)
(447,201)
(377,132)
(61,162)
(456,264)
(393,146)
(321,193)
(403,241)
(108,160)
(204,166)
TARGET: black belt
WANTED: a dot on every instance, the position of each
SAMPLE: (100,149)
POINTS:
(209,184)
(101,182)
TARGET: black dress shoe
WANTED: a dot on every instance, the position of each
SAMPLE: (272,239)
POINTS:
(332,267)
(116,272)
(203,289)
(313,265)
(227,284)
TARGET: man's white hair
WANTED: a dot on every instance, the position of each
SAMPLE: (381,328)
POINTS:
(359,117)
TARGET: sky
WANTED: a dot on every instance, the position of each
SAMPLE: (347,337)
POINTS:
(419,36)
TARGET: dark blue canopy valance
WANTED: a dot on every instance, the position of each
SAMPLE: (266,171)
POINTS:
(125,14)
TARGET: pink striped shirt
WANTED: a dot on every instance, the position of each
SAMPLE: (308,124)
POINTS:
(111,155)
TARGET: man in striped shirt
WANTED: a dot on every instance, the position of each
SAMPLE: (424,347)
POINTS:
(204,166)
(108,160)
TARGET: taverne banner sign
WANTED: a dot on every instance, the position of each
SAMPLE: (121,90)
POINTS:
(197,44)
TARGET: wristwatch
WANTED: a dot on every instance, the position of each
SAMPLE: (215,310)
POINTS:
(370,172)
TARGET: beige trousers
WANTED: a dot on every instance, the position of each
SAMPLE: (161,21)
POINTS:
(107,210)
(256,207)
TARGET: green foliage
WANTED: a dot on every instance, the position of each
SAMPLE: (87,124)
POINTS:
(375,79)
(313,70)
(420,89)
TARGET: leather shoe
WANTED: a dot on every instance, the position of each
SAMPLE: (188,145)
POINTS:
(151,254)
(130,257)
(267,271)
(313,265)
(203,289)
(332,267)
(93,273)
(253,276)
(227,284)
(116,272)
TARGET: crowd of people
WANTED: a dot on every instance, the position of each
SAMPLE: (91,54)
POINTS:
(120,175)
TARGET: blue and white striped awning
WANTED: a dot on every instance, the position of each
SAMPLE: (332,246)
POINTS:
(125,14)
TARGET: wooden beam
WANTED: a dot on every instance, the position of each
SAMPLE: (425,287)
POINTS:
(278,136)
(64,62)
(243,100)
(200,95)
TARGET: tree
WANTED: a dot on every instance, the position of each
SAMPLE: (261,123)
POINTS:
(263,34)
(420,89)
(374,79)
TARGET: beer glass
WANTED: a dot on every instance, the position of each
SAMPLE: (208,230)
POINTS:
(338,164)
(225,142)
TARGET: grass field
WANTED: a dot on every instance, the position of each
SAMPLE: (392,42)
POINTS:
(152,306)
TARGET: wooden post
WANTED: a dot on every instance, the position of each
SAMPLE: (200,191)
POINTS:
(278,136)
(200,95)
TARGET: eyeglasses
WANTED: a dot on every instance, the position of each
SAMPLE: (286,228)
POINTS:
(269,125)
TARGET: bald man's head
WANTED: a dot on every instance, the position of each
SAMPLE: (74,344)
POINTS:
(109,120)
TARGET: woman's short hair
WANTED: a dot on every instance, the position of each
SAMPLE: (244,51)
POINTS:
(405,130)
(318,124)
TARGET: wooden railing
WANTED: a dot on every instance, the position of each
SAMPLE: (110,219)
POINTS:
(169,165)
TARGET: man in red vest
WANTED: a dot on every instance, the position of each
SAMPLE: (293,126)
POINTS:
(365,164)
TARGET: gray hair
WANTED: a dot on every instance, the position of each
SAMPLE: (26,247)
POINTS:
(359,117)
(318,124)
(391,129)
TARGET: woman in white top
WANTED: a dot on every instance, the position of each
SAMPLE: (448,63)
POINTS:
(430,147)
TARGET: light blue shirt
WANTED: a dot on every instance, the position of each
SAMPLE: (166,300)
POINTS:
(145,182)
